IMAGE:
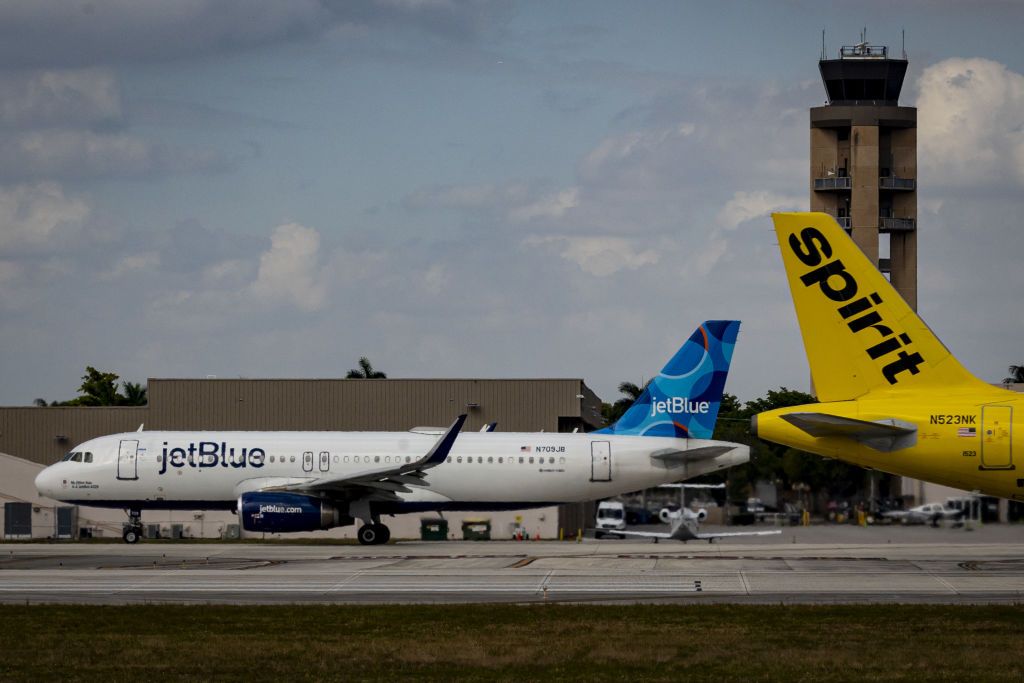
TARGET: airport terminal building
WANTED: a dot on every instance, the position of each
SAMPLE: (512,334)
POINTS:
(33,437)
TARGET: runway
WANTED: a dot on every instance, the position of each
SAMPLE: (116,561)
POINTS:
(921,566)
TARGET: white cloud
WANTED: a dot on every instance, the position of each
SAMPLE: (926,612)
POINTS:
(599,256)
(45,98)
(745,206)
(971,123)
(38,216)
(133,263)
(550,206)
(77,153)
(290,271)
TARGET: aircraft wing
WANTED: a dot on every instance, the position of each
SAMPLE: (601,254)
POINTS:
(682,531)
(730,534)
(385,482)
(884,435)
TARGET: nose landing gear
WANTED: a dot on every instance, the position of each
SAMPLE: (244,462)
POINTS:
(133,530)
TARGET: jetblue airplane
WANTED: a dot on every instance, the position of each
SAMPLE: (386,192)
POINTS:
(306,481)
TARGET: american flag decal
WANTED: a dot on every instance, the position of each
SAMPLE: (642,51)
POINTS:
(524,449)
(967,431)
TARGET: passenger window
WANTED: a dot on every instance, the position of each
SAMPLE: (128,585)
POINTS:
(531,459)
(500,460)
(490,460)
(292,458)
(521,459)
(561,461)
(448,460)
(346,458)
(458,459)
(337,459)
(387,458)
(376,458)
(551,461)
(271,458)
(407,459)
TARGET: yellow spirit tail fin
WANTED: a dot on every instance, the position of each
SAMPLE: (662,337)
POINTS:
(859,333)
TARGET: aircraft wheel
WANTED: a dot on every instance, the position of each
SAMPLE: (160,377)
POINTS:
(384,533)
(370,535)
(131,535)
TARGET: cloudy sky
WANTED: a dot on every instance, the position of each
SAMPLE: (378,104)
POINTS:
(465,189)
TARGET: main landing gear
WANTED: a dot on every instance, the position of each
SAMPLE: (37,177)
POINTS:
(133,531)
(374,534)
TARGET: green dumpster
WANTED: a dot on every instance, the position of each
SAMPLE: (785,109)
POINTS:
(433,529)
(476,529)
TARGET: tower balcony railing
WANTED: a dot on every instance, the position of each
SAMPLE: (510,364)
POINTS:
(887,224)
(843,221)
(893,183)
(833,183)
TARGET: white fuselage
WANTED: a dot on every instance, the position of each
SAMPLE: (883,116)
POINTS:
(209,470)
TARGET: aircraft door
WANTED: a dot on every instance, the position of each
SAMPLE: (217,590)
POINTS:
(996,437)
(325,461)
(600,461)
(128,460)
(307,461)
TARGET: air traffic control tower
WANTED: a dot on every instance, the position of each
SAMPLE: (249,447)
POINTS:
(864,159)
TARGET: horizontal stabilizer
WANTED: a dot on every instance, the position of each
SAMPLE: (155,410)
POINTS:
(674,456)
(883,435)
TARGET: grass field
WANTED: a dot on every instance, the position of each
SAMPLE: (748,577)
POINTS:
(513,643)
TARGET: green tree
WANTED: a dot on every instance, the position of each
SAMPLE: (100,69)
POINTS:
(98,389)
(365,371)
(613,411)
(134,394)
(1016,375)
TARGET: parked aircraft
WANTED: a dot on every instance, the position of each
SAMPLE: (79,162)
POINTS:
(685,526)
(305,481)
(931,513)
(893,398)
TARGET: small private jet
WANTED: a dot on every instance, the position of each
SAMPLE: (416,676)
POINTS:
(686,527)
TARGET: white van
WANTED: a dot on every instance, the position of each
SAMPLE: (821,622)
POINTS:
(611,516)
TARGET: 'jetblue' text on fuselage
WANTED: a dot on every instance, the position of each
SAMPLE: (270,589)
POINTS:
(211,454)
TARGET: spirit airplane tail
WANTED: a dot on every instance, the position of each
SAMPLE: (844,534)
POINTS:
(859,333)
(682,401)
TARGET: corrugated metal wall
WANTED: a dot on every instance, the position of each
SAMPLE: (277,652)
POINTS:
(339,404)
(314,404)
(44,435)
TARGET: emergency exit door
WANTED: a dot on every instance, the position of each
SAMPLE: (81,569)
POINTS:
(600,461)
(325,461)
(128,460)
(307,461)
(996,437)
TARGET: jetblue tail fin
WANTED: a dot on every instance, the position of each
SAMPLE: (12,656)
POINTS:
(682,401)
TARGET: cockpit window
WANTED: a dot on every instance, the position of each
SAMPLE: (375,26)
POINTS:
(87,457)
(67,457)
(76,457)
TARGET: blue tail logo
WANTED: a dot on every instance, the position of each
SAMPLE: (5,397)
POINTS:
(682,401)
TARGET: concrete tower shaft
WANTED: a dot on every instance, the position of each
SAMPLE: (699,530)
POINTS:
(864,159)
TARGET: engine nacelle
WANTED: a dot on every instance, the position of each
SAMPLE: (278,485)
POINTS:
(281,512)
(702,514)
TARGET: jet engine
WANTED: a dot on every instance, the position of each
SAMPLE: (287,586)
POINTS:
(278,511)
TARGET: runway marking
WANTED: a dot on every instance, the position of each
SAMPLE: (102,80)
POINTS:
(743,580)
(945,583)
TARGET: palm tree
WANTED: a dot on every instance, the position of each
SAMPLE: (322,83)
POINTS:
(1016,375)
(365,371)
(134,394)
